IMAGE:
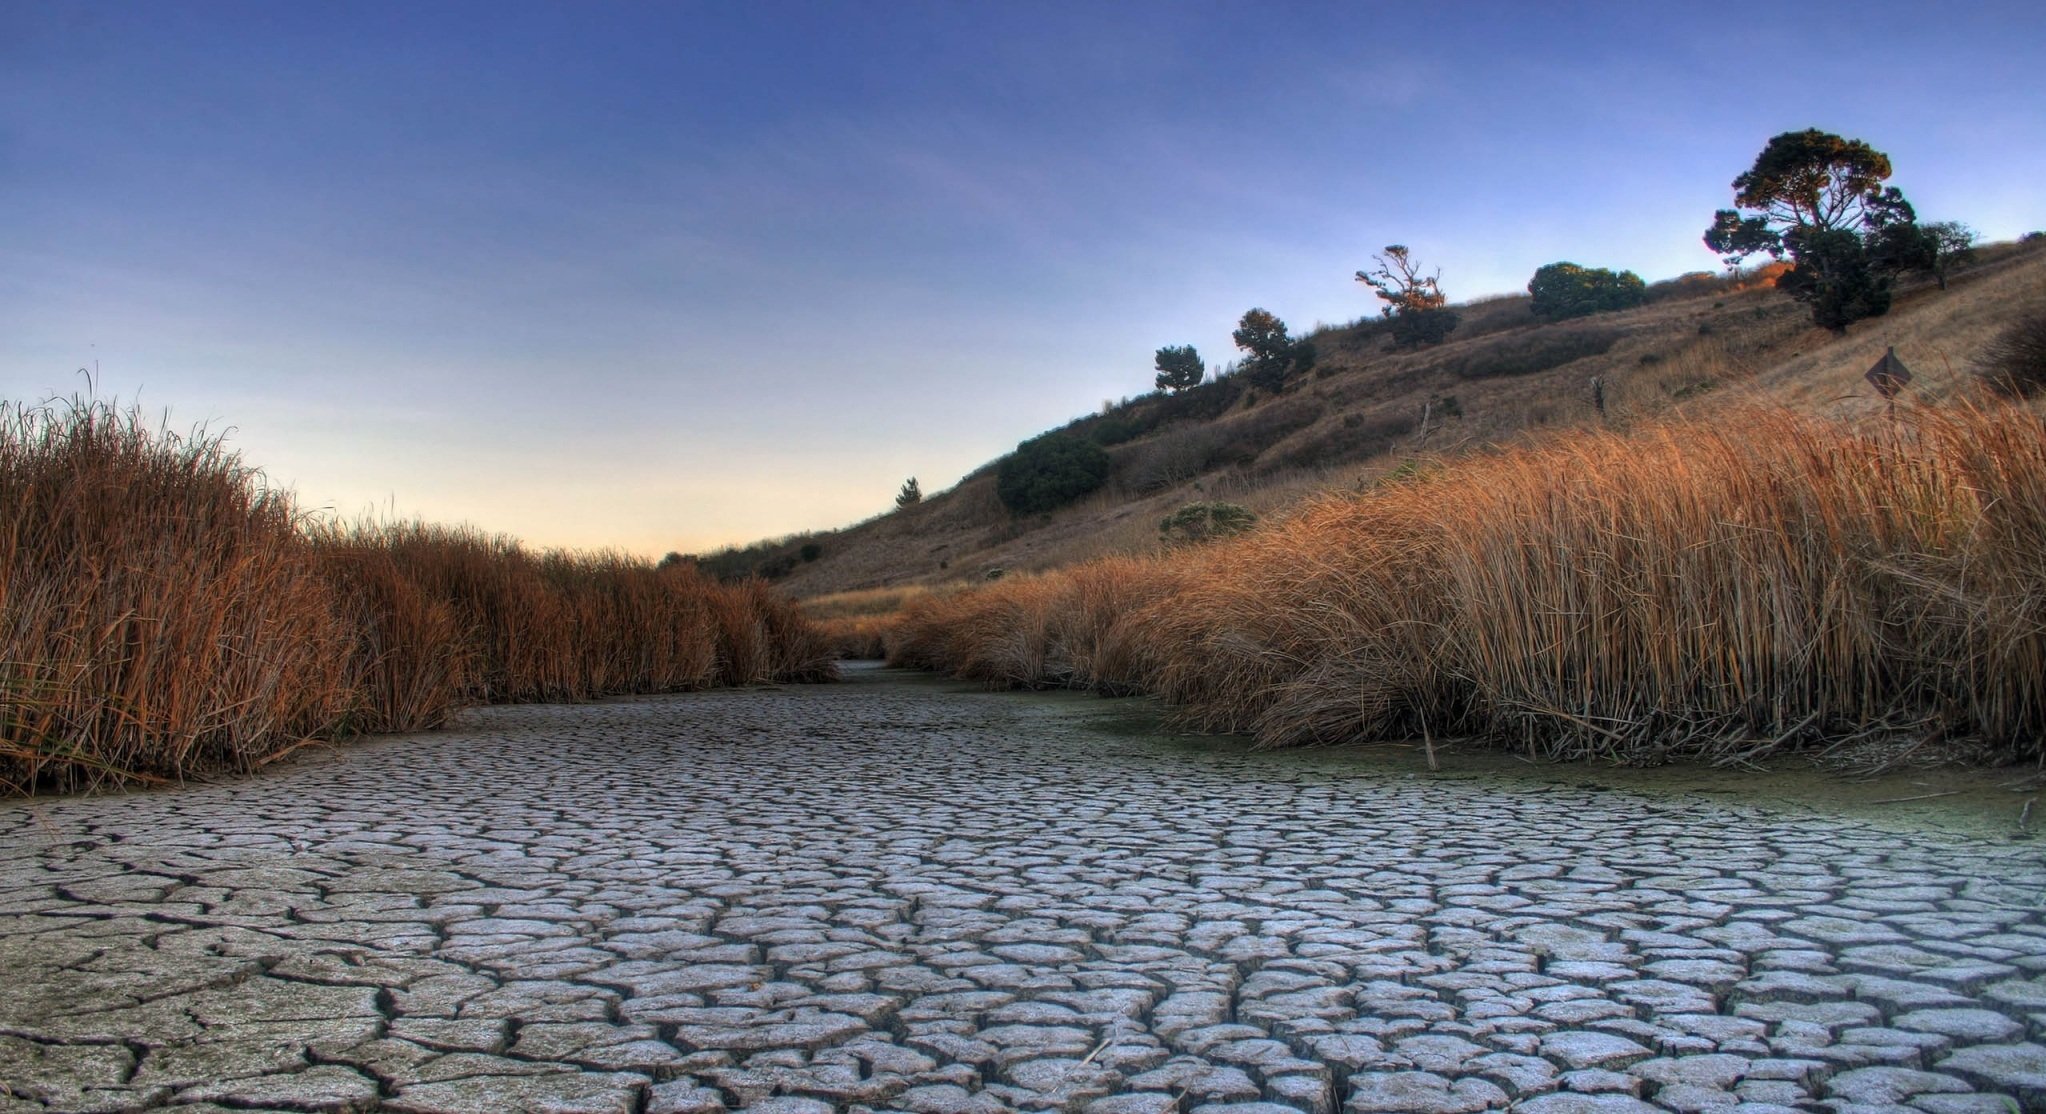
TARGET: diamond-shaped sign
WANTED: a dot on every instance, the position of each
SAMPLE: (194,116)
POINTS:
(1889,375)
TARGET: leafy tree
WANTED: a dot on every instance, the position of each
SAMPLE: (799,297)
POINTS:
(1564,290)
(910,495)
(1271,356)
(1944,245)
(1820,200)
(1414,302)
(1047,472)
(1180,368)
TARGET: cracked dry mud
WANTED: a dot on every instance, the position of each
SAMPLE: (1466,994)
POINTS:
(896,895)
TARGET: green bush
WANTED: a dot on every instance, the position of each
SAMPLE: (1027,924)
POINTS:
(1204,522)
(1418,328)
(1565,290)
(1048,472)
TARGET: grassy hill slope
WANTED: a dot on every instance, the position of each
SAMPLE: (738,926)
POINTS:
(1505,378)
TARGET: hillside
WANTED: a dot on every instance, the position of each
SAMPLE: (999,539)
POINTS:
(1366,409)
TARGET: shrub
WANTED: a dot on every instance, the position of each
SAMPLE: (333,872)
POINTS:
(1534,351)
(1204,522)
(810,552)
(1565,290)
(2014,363)
(1205,402)
(1423,327)
(1048,472)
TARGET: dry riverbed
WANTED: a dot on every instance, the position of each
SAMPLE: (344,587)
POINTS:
(900,894)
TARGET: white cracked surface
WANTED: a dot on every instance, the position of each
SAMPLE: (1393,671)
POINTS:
(897,895)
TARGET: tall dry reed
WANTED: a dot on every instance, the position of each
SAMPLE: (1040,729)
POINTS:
(159,608)
(162,612)
(1725,589)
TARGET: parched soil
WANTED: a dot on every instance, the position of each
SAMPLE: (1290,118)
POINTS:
(900,894)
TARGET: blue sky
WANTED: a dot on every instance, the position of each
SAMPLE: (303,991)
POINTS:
(667,276)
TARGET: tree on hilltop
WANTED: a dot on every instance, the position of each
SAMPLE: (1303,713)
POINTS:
(910,495)
(1179,368)
(1414,302)
(1271,355)
(1945,244)
(1565,290)
(1819,199)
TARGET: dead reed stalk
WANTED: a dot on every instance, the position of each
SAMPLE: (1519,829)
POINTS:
(163,611)
(1716,589)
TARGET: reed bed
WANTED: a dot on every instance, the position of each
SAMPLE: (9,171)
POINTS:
(163,612)
(858,637)
(1722,590)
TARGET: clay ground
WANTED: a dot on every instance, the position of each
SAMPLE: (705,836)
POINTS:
(899,894)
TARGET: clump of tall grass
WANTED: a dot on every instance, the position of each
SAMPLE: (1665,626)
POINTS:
(2013,363)
(163,611)
(858,637)
(1066,628)
(1722,590)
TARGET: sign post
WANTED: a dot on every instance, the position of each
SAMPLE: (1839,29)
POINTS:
(1888,377)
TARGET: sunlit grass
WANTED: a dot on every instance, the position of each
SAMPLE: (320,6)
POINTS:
(165,612)
(1760,581)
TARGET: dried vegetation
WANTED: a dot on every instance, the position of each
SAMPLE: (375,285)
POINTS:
(163,613)
(1725,589)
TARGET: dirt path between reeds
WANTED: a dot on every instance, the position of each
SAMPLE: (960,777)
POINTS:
(901,894)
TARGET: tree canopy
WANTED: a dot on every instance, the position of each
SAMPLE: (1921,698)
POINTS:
(1565,290)
(1179,368)
(1414,302)
(1271,355)
(1820,200)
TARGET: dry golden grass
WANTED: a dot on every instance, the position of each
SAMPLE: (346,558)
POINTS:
(871,601)
(1065,628)
(858,637)
(164,613)
(1721,589)
(162,610)
(1701,346)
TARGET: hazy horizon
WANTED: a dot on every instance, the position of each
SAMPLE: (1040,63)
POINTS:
(675,277)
